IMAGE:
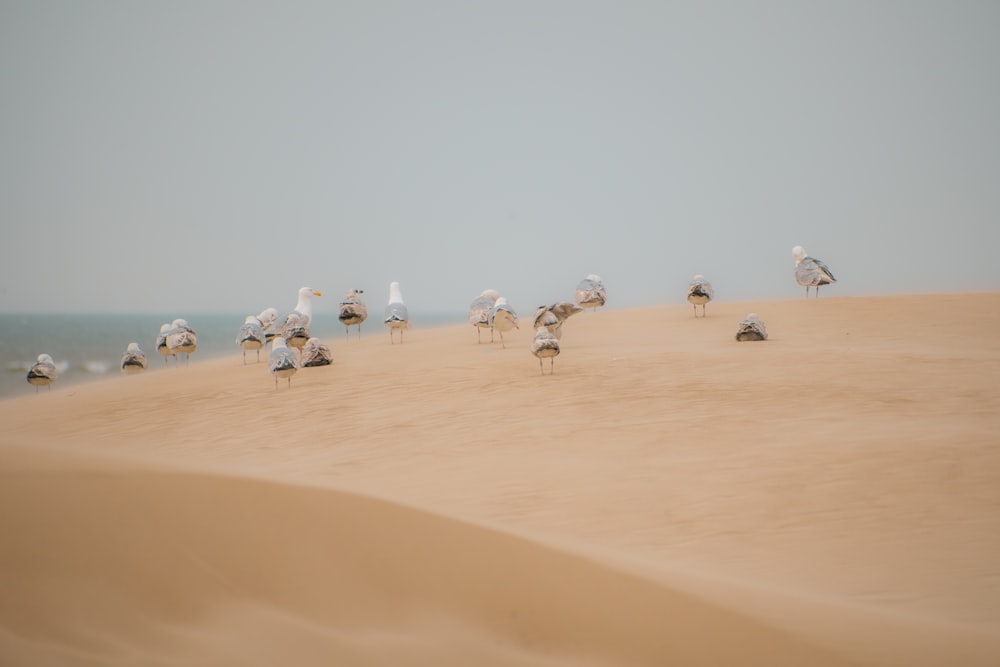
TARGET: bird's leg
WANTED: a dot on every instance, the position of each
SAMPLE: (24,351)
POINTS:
(289,381)
(501,341)
(540,367)
(491,334)
(244,357)
(695,306)
(359,332)
(479,336)
(276,383)
(552,365)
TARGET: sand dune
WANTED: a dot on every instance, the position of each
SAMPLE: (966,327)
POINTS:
(668,496)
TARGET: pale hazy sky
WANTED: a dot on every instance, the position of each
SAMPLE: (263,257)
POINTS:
(189,156)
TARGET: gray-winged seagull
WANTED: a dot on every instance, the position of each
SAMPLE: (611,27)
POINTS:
(809,271)
(479,312)
(502,317)
(251,336)
(43,372)
(552,317)
(590,292)
(134,360)
(751,329)
(282,362)
(699,293)
(396,314)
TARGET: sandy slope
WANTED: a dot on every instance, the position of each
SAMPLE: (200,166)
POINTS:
(827,497)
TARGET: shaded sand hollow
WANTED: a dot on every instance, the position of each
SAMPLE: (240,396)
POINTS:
(668,497)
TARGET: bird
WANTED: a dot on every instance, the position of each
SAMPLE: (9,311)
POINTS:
(479,312)
(353,311)
(268,319)
(251,337)
(282,362)
(751,328)
(699,293)
(502,317)
(161,344)
(43,372)
(396,314)
(545,346)
(295,325)
(552,317)
(590,292)
(315,353)
(809,271)
(134,360)
(182,338)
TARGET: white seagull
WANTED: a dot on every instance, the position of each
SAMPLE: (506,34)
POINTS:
(545,346)
(479,312)
(352,311)
(315,353)
(295,325)
(134,360)
(161,344)
(590,292)
(751,329)
(268,319)
(502,317)
(552,317)
(181,338)
(809,271)
(251,337)
(396,314)
(282,362)
(43,372)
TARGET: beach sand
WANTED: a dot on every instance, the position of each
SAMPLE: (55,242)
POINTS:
(830,496)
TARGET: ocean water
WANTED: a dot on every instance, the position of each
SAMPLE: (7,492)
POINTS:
(89,347)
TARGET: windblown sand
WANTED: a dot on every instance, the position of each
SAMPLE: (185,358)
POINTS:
(669,496)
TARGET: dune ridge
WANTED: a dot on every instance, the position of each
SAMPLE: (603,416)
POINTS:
(827,497)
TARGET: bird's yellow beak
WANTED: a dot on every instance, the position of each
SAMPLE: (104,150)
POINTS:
(317,293)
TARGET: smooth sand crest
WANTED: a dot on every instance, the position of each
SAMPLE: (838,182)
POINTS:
(825,497)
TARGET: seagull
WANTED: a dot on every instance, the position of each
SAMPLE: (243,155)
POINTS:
(43,372)
(353,311)
(134,360)
(295,326)
(282,362)
(181,338)
(809,271)
(251,337)
(268,319)
(479,312)
(545,345)
(751,329)
(161,344)
(396,314)
(590,293)
(502,317)
(315,353)
(700,292)
(552,317)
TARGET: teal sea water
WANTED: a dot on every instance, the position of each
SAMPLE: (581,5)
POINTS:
(89,347)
